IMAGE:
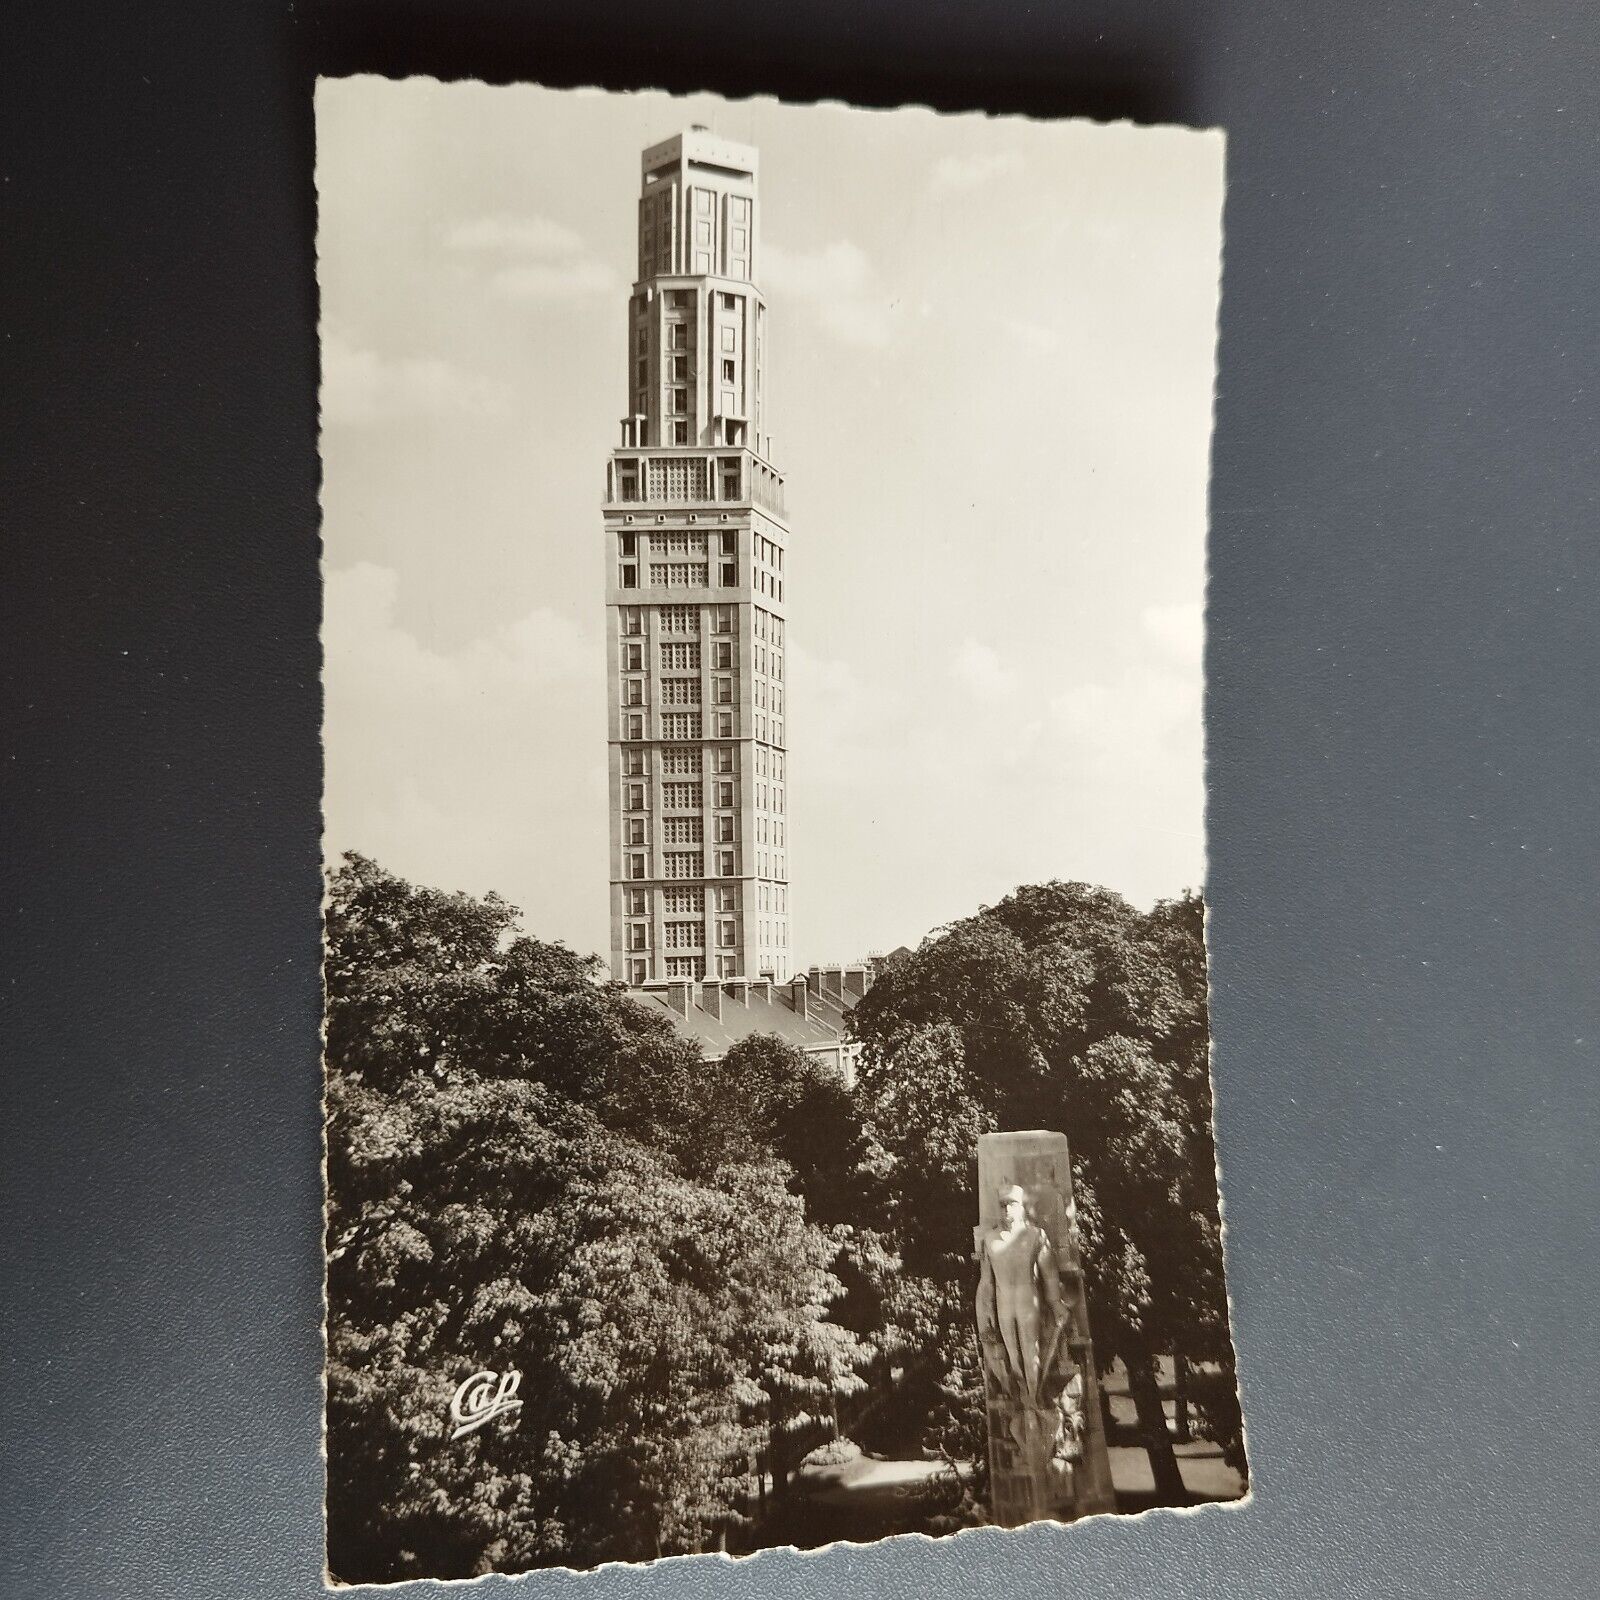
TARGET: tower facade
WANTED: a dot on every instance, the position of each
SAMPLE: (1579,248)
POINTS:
(696,552)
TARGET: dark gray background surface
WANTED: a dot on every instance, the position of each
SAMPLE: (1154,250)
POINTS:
(1403,765)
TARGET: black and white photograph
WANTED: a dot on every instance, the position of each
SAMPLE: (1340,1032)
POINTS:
(767,1041)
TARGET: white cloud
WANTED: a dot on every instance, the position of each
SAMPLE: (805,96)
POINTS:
(978,668)
(361,386)
(1147,725)
(1179,629)
(371,656)
(837,284)
(539,237)
(475,765)
(555,280)
(539,258)
(971,172)
(1032,335)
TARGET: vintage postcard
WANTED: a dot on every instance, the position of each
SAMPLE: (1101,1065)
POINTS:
(767,1038)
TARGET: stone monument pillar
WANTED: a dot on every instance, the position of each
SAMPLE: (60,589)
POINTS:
(1047,1442)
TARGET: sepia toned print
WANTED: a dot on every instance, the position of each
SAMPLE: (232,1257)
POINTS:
(767,1040)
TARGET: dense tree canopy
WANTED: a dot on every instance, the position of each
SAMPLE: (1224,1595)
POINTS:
(701,1267)
(1063,1007)
(513,1183)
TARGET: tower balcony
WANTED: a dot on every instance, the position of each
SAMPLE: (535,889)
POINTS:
(665,478)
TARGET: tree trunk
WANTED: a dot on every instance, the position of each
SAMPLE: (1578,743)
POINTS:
(1180,1397)
(1146,1395)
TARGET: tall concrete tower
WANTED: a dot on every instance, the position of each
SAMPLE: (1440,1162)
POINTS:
(696,552)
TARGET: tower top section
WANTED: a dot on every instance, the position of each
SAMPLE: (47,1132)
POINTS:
(697,208)
(699,147)
(697,349)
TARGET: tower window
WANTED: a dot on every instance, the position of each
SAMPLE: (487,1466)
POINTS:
(724,724)
(632,620)
(636,866)
(680,369)
(630,575)
(725,760)
(730,574)
(680,433)
(727,372)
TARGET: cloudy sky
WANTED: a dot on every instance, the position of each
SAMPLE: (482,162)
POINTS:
(990,379)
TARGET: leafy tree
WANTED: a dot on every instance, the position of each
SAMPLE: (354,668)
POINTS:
(1064,1007)
(508,1188)
(803,1110)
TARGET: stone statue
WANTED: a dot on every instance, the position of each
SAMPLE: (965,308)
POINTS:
(1047,1448)
(1019,1300)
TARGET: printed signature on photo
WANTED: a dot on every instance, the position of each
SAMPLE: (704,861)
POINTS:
(483,1397)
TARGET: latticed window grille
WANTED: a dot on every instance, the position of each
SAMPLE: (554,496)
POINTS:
(686,967)
(680,901)
(678,763)
(680,691)
(681,830)
(679,619)
(680,725)
(678,478)
(685,935)
(684,864)
(677,575)
(677,544)
(681,796)
(680,657)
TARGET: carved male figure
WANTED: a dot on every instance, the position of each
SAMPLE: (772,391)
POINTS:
(1017,1285)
